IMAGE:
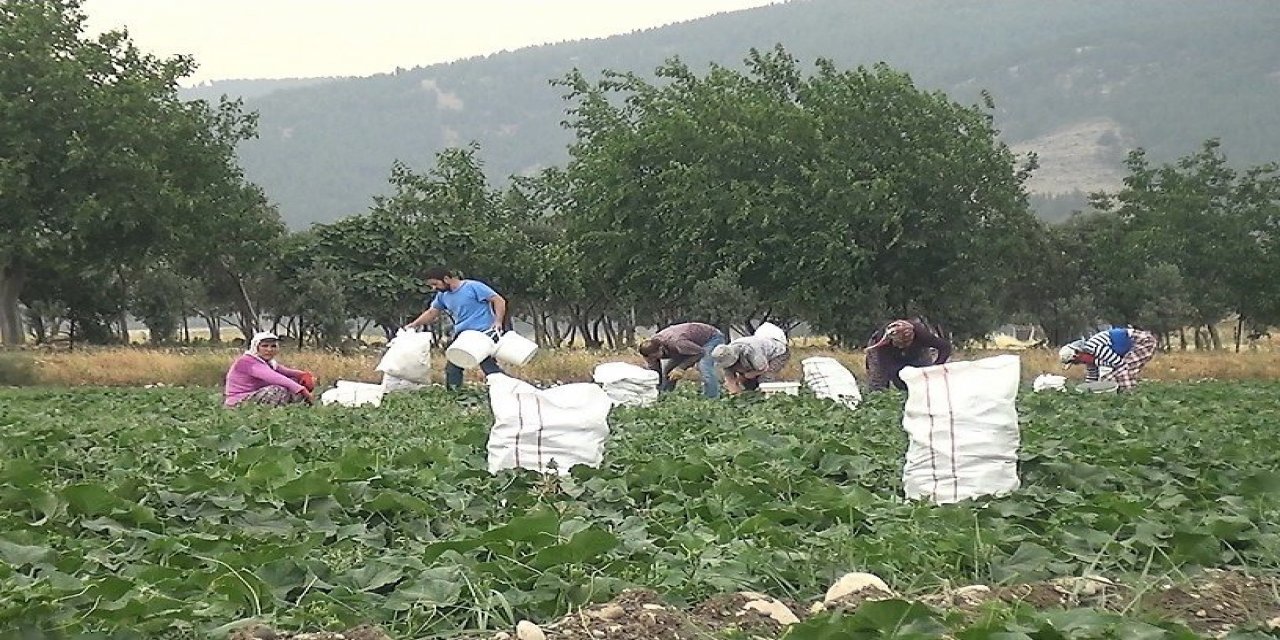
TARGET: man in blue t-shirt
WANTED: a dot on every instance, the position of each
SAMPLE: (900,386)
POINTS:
(473,305)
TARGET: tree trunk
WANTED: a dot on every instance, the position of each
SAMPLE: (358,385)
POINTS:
(215,328)
(1182,338)
(538,321)
(123,319)
(38,328)
(11,281)
(557,335)
(1214,337)
(1239,332)
(244,307)
(628,328)
(610,334)
(594,341)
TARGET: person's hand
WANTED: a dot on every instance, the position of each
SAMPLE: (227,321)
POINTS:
(308,380)
(732,384)
(496,329)
(306,394)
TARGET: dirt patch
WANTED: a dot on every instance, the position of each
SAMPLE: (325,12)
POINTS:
(263,632)
(1217,601)
(633,615)
(1066,593)
(744,611)
(1213,603)
(966,599)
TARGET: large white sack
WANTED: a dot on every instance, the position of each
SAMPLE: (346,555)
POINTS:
(829,379)
(963,427)
(538,429)
(1049,382)
(408,356)
(392,384)
(771,330)
(353,394)
(627,384)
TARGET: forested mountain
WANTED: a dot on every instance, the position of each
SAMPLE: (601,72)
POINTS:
(246,89)
(1078,82)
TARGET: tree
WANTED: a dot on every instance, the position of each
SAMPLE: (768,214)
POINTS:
(1211,222)
(228,246)
(899,202)
(161,298)
(446,215)
(100,161)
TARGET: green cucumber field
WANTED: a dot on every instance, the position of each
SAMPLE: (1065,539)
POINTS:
(156,513)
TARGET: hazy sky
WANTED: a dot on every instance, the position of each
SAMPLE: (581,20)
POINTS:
(304,38)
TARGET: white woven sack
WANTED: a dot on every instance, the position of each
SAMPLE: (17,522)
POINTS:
(829,379)
(962,423)
(408,357)
(392,384)
(627,384)
(353,394)
(1049,382)
(771,330)
(543,430)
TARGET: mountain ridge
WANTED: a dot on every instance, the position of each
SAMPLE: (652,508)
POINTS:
(1163,76)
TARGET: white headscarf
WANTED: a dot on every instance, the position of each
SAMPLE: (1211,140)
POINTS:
(257,339)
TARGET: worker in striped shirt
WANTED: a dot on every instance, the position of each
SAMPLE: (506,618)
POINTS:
(1124,349)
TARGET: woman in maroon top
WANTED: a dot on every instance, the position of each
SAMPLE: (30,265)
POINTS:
(903,343)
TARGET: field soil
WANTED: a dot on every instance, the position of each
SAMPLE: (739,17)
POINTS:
(1212,604)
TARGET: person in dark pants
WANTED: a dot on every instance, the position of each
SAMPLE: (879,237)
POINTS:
(473,305)
(902,343)
(682,346)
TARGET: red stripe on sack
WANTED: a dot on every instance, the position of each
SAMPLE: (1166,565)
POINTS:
(951,430)
(933,462)
(519,425)
(541,425)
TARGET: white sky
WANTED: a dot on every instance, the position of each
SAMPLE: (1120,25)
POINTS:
(306,38)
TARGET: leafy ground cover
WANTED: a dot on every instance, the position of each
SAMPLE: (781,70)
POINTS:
(154,513)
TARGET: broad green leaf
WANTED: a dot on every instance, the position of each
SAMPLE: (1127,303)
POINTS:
(1029,562)
(312,484)
(89,499)
(583,546)
(20,555)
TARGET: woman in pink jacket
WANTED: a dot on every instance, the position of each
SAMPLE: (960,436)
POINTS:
(256,377)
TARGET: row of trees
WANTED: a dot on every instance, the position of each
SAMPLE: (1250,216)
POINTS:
(836,198)
(110,184)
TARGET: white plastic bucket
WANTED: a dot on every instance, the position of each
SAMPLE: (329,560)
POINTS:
(515,349)
(789,388)
(470,348)
(1101,386)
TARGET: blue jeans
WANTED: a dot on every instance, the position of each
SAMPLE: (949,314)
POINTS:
(453,373)
(710,379)
(706,366)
